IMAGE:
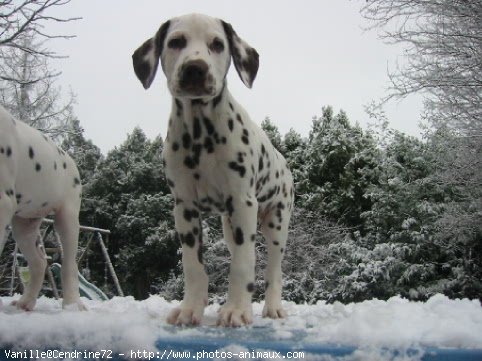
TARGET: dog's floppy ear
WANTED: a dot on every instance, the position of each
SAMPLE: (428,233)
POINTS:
(246,58)
(146,58)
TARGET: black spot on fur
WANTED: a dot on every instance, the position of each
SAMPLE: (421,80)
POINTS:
(249,203)
(217,99)
(245,136)
(170,183)
(251,63)
(189,239)
(196,132)
(76,181)
(38,167)
(186,140)
(31,153)
(238,168)
(196,176)
(230,124)
(253,237)
(208,144)
(9,151)
(276,243)
(44,204)
(178,107)
(250,287)
(260,165)
(175,146)
(238,236)
(189,162)
(229,205)
(239,119)
(231,106)
(65,165)
(209,125)
(55,165)
(190,214)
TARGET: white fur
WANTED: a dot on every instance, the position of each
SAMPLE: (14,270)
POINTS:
(217,159)
(38,179)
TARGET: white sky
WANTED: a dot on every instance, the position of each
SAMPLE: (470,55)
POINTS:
(312,53)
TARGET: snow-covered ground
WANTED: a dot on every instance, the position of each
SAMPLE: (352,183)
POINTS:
(123,324)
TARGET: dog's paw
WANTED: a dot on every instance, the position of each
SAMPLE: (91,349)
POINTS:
(274,311)
(74,305)
(25,303)
(235,316)
(185,316)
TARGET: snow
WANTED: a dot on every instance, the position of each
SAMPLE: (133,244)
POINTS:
(123,324)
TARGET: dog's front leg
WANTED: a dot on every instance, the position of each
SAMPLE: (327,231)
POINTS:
(240,233)
(189,230)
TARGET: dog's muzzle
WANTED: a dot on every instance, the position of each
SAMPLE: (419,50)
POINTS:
(195,79)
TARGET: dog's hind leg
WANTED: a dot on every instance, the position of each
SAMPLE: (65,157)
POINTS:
(7,206)
(275,231)
(26,234)
(67,226)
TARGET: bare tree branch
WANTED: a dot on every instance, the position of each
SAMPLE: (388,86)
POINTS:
(18,18)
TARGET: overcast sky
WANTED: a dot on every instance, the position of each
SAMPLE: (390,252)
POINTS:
(312,53)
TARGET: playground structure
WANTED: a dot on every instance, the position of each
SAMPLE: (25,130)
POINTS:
(13,275)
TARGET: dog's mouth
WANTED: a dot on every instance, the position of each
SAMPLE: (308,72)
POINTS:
(195,80)
(194,92)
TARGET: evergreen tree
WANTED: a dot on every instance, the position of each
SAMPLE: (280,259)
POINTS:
(129,195)
(273,133)
(340,163)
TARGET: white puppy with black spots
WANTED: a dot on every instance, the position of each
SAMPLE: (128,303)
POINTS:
(217,159)
(37,179)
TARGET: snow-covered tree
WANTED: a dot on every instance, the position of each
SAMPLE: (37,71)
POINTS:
(28,90)
(128,194)
(273,133)
(339,163)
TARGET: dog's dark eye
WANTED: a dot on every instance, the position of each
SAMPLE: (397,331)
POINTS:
(177,43)
(217,46)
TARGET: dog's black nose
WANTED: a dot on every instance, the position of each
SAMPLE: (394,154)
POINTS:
(193,76)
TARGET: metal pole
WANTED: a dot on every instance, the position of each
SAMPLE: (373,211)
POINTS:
(14,269)
(109,264)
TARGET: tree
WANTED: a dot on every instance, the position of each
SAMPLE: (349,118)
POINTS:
(20,20)
(273,133)
(28,90)
(443,41)
(443,48)
(339,164)
(129,195)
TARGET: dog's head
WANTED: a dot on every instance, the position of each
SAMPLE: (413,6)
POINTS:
(195,53)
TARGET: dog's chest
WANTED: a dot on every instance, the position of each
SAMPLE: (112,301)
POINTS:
(209,155)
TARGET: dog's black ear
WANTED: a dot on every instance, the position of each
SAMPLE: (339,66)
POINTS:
(146,58)
(246,58)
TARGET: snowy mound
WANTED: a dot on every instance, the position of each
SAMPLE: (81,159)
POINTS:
(123,324)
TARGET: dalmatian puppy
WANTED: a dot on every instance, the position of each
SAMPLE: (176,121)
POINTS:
(217,159)
(36,179)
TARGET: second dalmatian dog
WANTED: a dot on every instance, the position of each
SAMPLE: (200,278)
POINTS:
(37,179)
(217,159)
